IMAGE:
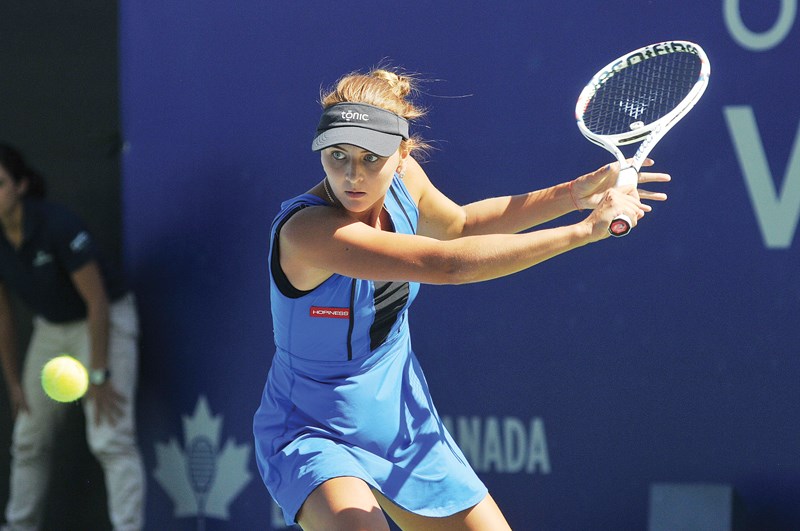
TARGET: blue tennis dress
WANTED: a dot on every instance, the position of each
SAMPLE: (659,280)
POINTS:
(345,395)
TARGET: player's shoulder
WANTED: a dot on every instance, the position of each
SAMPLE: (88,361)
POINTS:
(291,207)
(313,218)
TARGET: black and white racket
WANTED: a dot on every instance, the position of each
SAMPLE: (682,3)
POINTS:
(638,98)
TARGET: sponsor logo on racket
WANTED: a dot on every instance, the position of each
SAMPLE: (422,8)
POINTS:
(638,56)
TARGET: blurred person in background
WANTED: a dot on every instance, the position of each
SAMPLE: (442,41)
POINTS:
(49,260)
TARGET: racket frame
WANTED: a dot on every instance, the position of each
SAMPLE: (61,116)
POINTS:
(648,134)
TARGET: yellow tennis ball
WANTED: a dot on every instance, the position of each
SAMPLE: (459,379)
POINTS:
(64,379)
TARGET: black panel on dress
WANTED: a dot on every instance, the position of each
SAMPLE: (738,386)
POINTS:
(390,299)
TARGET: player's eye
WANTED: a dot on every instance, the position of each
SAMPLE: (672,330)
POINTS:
(338,155)
(371,157)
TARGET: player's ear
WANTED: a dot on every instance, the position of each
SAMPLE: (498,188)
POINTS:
(401,166)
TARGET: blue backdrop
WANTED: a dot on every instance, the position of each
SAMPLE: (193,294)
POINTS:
(668,356)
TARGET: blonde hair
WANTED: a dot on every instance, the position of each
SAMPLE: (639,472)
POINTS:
(382,88)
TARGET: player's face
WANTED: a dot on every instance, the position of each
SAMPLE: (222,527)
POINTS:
(358,178)
(10,194)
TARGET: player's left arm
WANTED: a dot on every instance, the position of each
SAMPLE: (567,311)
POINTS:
(442,218)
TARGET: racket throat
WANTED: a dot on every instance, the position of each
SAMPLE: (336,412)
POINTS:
(627,177)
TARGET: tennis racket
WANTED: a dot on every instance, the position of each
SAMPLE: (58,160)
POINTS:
(639,98)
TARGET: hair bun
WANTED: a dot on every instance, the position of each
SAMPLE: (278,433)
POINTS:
(401,85)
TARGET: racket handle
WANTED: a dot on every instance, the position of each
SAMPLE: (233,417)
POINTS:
(628,176)
(620,226)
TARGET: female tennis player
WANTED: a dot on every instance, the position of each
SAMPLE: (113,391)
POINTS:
(346,428)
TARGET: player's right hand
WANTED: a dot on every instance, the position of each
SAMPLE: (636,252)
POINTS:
(613,203)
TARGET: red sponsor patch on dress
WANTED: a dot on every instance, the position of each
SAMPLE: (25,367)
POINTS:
(330,313)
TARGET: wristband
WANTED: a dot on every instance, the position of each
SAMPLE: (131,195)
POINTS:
(569,187)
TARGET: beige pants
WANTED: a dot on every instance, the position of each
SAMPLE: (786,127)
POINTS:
(114,447)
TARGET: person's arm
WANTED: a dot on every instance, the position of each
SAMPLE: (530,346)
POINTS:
(443,219)
(89,282)
(319,241)
(8,354)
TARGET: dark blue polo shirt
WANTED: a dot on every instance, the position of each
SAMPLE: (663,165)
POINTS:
(55,244)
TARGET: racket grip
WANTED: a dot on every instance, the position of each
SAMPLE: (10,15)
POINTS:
(628,176)
(620,226)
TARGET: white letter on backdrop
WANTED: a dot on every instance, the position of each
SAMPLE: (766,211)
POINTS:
(777,213)
(759,42)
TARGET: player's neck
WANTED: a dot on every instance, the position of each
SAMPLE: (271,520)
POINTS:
(375,216)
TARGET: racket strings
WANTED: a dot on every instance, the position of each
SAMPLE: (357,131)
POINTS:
(642,93)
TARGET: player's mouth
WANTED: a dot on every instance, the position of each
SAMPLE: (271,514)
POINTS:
(354,195)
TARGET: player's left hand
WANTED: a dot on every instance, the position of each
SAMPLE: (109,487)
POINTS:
(108,403)
(588,190)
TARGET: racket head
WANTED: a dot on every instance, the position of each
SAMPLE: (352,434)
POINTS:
(644,92)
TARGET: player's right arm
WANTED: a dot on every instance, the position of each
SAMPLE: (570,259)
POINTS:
(320,241)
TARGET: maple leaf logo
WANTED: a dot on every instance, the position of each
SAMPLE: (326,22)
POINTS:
(201,478)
